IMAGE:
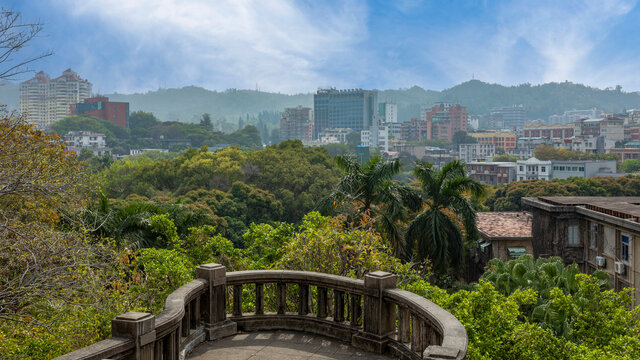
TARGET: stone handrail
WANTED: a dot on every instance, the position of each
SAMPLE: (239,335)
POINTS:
(371,313)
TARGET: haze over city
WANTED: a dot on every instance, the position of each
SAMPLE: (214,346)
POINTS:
(298,46)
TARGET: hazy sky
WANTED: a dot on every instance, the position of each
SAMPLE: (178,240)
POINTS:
(298,46)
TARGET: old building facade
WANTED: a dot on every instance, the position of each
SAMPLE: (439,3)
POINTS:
(597,233)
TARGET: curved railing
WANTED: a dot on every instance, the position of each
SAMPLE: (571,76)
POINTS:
(371,313)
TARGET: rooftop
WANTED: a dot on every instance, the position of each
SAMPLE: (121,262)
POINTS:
(618,206)
(505,225)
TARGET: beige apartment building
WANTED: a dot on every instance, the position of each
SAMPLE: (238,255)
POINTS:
(44,100)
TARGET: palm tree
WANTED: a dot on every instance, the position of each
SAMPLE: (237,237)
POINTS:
(369,190)
(446,208)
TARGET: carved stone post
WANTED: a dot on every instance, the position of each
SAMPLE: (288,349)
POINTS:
(379,316)
(139,326)
(215,303)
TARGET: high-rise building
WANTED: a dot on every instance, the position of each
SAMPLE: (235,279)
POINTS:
(415,130)
(388,112)
(444,120)
(101,107)
(296,123)
(45,100)
(512,116)
(354,109)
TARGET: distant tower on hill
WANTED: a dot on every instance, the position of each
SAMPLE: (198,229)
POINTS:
(45,100)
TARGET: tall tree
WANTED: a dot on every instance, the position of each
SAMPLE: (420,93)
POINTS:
(369,190)
(437,230)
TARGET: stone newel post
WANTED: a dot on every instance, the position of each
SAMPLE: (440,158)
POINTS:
(379,315)
(140,327)
(214,301)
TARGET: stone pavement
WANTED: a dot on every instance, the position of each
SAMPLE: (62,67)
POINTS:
(279,345)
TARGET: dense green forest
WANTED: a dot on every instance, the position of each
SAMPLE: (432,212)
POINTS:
(147,132)
(103,240)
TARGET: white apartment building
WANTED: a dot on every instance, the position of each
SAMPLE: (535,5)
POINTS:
(44,100)
(377,137)
(533,169)
(333,136)
(95,142)
(476,152)
(388,111)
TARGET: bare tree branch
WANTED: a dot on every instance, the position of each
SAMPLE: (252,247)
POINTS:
(14,36)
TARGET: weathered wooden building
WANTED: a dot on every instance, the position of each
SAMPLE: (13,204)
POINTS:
(595,232)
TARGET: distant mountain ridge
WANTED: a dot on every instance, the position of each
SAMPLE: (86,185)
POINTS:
(189,103)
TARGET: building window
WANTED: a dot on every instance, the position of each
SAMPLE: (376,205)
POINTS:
(543,169)
(521,168)
(609,241)
(572,235)
(625,249)
(593,236)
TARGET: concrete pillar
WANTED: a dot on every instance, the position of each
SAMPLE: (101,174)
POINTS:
(139,326)
(214,304)
(379,316)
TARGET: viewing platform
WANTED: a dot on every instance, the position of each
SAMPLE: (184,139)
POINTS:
(286,315)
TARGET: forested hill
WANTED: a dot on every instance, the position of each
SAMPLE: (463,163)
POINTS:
(189,103)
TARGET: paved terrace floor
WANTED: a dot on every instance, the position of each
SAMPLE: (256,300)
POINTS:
(279,345)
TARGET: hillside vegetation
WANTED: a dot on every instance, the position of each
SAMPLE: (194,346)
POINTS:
(189,103)
(540,101)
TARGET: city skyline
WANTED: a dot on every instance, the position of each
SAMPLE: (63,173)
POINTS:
(294,47)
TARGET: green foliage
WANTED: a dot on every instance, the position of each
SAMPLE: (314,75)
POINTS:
(142,120)
(461,137)
(437,230)
(505,158)
(280,183)
(162,271)
(147,132)
(322,244)
(546,152)
(368,190)
(629,166)
(509,197)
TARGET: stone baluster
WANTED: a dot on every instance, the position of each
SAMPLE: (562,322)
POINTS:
(281,298)
(404,327)
(237,300)
(322,302)
(356,309)
(259,299)
(338,306)
(303,299)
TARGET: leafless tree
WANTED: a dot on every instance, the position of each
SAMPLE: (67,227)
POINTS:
(14,36)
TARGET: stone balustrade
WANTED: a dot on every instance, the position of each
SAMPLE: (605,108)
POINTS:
(372,314)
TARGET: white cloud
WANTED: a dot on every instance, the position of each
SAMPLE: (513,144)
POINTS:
(533,41)
(277,44)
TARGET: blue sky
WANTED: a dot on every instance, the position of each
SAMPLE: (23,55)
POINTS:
(297,46)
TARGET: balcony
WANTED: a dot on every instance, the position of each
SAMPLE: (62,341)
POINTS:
(373,317)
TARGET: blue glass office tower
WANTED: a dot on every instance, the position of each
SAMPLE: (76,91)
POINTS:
(355,109)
